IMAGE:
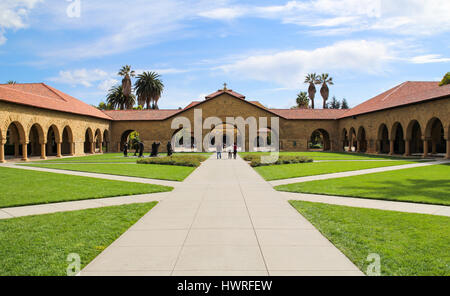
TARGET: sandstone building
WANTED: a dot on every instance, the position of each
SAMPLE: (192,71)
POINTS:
(409,119)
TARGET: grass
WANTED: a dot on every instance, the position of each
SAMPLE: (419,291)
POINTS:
(288,171)
(107,158)
(150,171)
(39,245)
(429,184)
(22,187)
(408,244)
(329,155)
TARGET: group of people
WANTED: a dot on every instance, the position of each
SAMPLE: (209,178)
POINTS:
(231,153)
(139,146)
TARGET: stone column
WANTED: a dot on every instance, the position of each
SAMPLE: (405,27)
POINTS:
(92,148)
(43,155)
(407,148)
(447,156)
(358,146)
(58,150)
(433,147)
(16,150)
(24,152)
(71,151)
(2,152)
(425,148)
(391,147)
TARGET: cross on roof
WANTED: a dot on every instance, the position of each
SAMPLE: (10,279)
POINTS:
(224,86)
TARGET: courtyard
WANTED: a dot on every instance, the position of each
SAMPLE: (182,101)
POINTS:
(225,217)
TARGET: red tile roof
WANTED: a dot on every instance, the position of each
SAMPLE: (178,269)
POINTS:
(227,91)
(136,115)
(320,114)
(404,94)
(43,96)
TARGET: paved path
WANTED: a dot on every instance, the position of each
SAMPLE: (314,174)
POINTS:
(223,220)
(95,175)
(406,207)
(14,212)
(354,173)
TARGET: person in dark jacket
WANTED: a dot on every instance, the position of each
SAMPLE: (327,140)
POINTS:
(125,150)
(169,149)
(235,151)
(141,149)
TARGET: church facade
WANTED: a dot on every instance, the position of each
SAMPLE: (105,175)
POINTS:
(412,118)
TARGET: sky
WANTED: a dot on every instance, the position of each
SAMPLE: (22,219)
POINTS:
(261,49)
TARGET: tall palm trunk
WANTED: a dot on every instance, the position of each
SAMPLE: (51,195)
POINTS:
(325,92)
(312,93)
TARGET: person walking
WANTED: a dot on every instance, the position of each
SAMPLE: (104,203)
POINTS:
(219,151)
(141,149)
(169,149)
(125,150)
(235,150)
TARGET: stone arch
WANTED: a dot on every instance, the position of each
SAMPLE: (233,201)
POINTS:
(98,140)
(106,140)
(36,139)
(125,139)
(67,145)
(352,140)
(321,138)
(435,136)
(397,139)
(345,140)
(414,138)
(16,140)
(53,140)
(362,140)
(383,139)
(263,140)
(230,135)
(183,140)
(89,141)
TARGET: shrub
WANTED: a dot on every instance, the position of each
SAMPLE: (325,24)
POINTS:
(180,160)
(283,159)
(445,80)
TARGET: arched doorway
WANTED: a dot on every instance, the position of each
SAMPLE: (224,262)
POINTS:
(383,140)
(131,137)
(434,135)
(52,141)
(98,141)
(89,141)
(15,146)
(36,141)
(183,141)
(263,140)
(67,142)
(398,139)
(353,140)
(227,134)
(319,140)
(362,141)
(344,140)
(105,143)
(414,136)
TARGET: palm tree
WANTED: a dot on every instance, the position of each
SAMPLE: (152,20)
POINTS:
(127,73)
(149,88)
(325,80)
(11,82)
(302,100)
(312,79)
(118,100)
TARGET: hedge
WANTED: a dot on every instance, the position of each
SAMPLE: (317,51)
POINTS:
(255,160)
(180,160)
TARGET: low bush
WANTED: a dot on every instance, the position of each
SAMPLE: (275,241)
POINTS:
(255,161)
(180,160)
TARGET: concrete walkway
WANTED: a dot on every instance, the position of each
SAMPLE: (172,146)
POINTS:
(406,207)
(224,219)
(14,212)
(355,173)
(95,175)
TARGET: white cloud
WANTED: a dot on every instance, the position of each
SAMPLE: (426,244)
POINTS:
(13,15)
(430,58)
(107,84)
(84,77)
(288,68)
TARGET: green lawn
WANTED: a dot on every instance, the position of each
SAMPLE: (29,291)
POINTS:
(39,245)
(150,171)
(22,187)
(408,244)
(288,171)
(106,158)
(429,184)
(329,155)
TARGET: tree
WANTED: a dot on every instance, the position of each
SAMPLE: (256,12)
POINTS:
(11,82)
(104,106)
(118,100)
(445,80)
(302,100)
(149,88)
(312,79)
(344,104)
(325,80)
(127,73)
(335,104)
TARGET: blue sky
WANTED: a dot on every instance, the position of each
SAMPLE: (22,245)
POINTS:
(262,49)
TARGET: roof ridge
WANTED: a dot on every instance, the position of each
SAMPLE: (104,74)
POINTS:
(25,92)
(51,89)
(394,90)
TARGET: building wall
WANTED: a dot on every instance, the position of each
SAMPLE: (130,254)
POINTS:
(25,117)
